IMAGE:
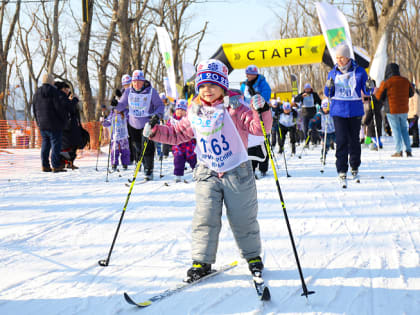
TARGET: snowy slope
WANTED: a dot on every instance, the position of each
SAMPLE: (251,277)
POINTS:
(359,248)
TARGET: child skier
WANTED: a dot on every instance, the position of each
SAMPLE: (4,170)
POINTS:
(287,124)
(321,120)
(220,122)
(119,137)
(183,152)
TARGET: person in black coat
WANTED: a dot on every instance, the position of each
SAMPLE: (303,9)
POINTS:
(368,121)
(50,116)
(72,133)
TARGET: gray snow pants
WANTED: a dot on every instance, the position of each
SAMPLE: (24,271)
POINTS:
(237,190)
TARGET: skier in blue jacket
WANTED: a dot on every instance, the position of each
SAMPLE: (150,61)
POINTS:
(345,83)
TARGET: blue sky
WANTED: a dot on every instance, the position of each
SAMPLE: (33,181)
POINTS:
(234,22)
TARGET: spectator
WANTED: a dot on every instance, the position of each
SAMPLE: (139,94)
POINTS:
(50,116)
(395,91)
(72,133)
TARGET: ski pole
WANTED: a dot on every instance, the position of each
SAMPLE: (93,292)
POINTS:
(324,146)
(105,262)
(99,144)
(109,147)
(267,145)
(304,145)
(284,154)
(376,129)
(161,161)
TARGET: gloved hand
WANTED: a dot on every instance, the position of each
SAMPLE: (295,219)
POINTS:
(147,130)
(101,119)
(370,85)
(257,102)
(114,102)
(154,120)
(235,101)
(330,83)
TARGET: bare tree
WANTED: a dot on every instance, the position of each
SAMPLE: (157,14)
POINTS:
(82,66)
(4,52)
(406,48)
(383,22)
(102,54)
(125,22)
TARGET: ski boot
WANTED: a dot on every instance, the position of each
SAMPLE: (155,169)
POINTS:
(342,178)
(197,271)
(125,167)
(255,265)
(355,174)
(114,168)
(148,177)
(178,179)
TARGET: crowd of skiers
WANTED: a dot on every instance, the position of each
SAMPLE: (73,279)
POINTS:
(219,133)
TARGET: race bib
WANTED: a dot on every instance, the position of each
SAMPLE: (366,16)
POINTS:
(219,145)
(120,128)
(345,86)
(308,101)
(286,120)
(139,104)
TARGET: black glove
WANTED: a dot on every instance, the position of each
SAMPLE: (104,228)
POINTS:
(114,102)
(154,120)
(118,93)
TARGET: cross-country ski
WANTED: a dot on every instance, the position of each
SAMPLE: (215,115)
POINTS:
(145,144)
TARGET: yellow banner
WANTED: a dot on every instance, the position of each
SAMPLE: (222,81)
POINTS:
(274,53)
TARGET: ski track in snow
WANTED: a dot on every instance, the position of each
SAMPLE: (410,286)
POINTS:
(358,247)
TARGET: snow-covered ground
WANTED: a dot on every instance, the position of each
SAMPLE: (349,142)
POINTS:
(359,248)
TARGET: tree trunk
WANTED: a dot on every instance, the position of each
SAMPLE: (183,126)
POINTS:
(104,62)
(82,67)
(125,43)
(4,51)
(55,39)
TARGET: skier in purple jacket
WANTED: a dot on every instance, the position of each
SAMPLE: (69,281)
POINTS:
(119,138)
(142,102)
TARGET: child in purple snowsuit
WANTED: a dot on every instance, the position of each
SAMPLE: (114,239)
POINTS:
(119,137)
(183,152)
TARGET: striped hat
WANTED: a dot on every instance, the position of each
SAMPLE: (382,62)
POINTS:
(126,79)
(286,106)
(324,103)
(181,104)
(251,69)
(138,75)
(212,71)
